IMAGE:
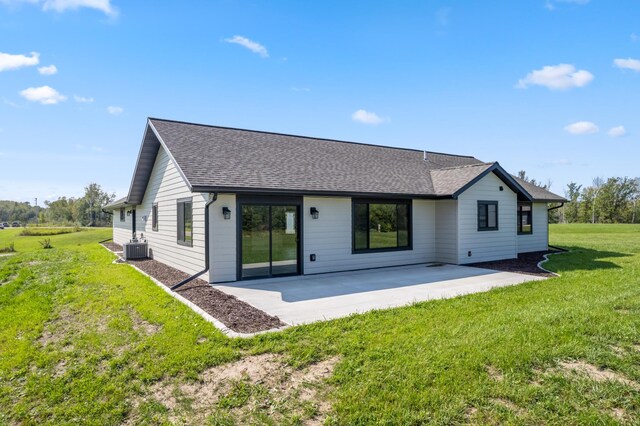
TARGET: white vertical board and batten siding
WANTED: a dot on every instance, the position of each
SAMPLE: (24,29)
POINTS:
(487,245)
(538,240)
(330,238)
(222,239)
(122,230)
(446,231)
(166,186)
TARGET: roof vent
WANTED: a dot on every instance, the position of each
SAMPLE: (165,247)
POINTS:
(426,156)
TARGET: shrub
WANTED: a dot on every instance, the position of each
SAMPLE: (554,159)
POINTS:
(8,249)
(46,243)
(31,232)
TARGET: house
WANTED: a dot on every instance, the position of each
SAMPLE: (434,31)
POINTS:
(241,204)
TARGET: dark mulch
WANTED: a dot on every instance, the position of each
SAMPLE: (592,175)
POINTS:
(526,263)
(113,246)
(239,316)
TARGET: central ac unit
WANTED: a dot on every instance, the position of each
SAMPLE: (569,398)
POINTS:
(134,250)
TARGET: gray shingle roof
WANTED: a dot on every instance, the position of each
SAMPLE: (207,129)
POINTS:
(539,194)
(224,159)
(121,202)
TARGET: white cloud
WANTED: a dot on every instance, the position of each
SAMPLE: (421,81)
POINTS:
(50,70)
(300,89)
(629,64)
(44,94)
(253,46)
(82,99)
(556,77)
(64,5)
(617,131)
(582,128)
(366,117)
(12,62)
(443,16)
(115,110)
(634,37)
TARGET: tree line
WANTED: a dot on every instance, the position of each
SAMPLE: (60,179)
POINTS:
(614,200)
(65,211)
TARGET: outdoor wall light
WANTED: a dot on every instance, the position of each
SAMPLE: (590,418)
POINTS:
(128,212)
(501,188)
(314,213)
(226,213)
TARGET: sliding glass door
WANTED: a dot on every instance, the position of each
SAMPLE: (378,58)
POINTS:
(270,240)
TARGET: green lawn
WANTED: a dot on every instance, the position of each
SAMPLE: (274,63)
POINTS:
(83,340)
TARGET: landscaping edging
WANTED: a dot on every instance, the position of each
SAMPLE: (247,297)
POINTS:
(204,314)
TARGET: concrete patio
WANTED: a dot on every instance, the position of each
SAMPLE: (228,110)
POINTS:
(309,298)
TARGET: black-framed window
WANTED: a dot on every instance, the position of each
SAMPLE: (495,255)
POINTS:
(381,225)
(122,218)
(154,216)
(185,222)
(487,215)
(525,218)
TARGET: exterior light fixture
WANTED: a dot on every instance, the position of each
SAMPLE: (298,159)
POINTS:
(314,213)
(226,213)
(501,188)
(128,212)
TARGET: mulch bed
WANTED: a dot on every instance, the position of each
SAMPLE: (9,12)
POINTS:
(239,316)
(113,247)
(526,263)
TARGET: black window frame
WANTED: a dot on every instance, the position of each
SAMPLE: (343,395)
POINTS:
(519,217)
(122,215)
(154,217)
(180,221)
(484,204)
(368,201)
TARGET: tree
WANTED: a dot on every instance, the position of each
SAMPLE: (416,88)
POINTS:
(90,206)
(572,193)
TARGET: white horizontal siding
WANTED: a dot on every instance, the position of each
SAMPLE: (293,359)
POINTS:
(446,231)
(222,248)
(121,230)
(165,187)
(538,240)
(330,238)
(487,245)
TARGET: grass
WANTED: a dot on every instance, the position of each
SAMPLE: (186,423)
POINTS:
(75,346)
(34,232)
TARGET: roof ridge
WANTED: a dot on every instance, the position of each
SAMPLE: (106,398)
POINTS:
(463,166)
(304,137)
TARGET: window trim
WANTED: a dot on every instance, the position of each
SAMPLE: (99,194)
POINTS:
(488,228)
(123,218)
(154,217)
(367,201)
(519,218)
(179,202)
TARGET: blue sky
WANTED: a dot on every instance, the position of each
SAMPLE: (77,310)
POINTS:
(551,87)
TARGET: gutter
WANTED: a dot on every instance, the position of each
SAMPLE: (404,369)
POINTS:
(206,245)
(556,207)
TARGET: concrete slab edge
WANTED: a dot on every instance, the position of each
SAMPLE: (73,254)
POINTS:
(205,315)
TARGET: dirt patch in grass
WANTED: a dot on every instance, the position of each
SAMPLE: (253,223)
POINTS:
(247,390)
(231,311)
(596,374)
(516,409)
(141,325)
(526,263)
(494,373)
(58,329)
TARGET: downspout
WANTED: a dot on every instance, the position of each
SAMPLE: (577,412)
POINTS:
(206,244)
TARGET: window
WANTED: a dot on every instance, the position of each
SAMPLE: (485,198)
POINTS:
(122,215)
(381,225)
(154,216)
(487,215)
(525,224)
(185,222)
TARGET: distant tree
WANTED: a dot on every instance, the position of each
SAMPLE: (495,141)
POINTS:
(90,206)
(523,175)
(572,194)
